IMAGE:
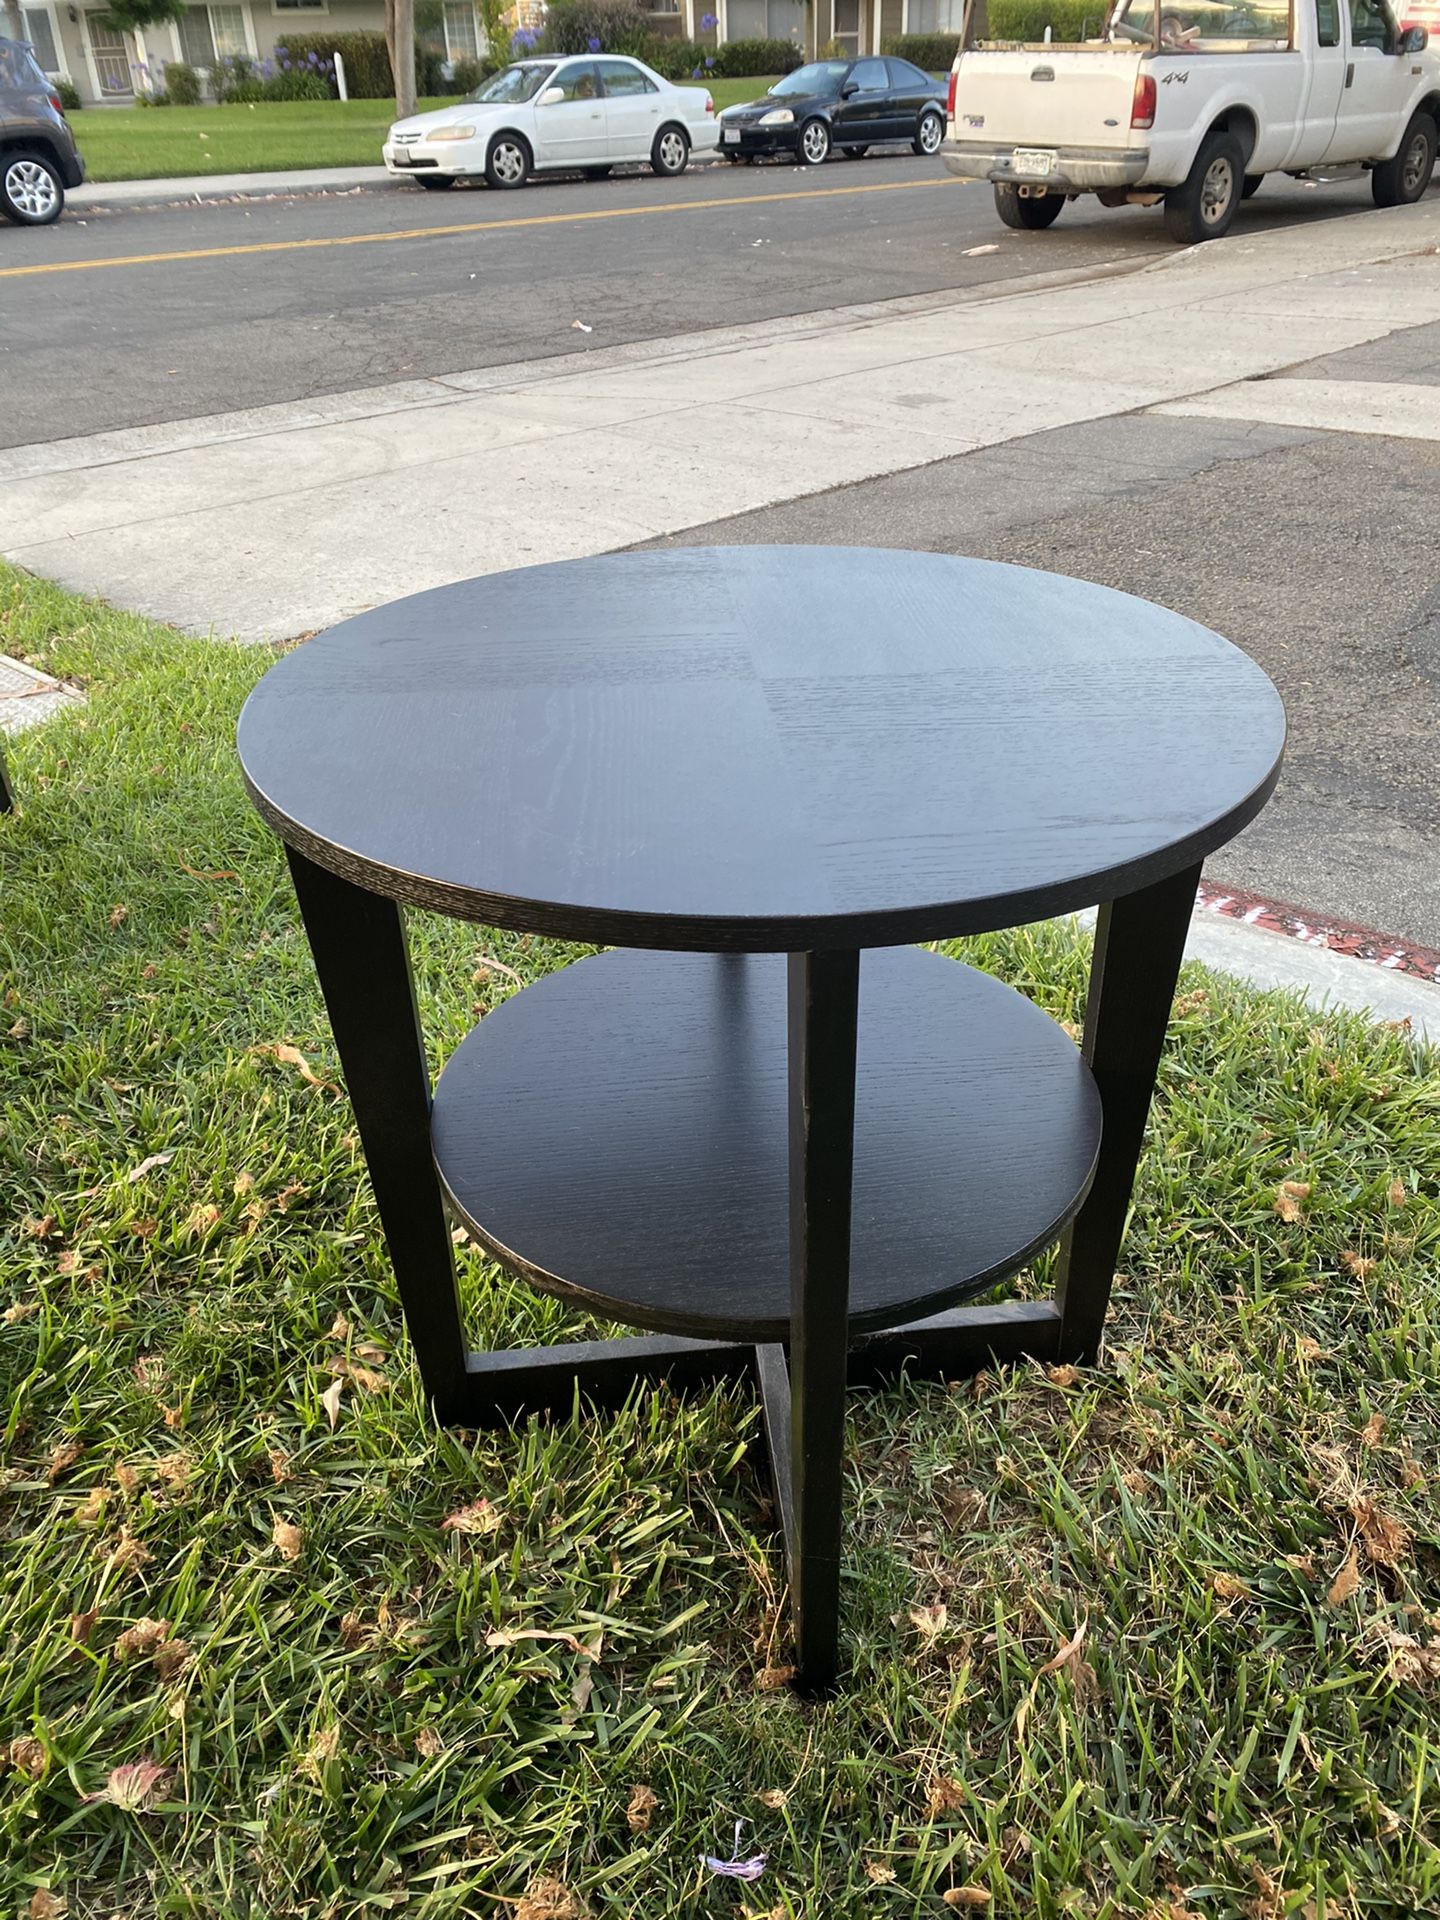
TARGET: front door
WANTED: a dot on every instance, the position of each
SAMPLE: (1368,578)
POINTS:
(1315,134)
(867,112)
(112,60)
(632,110)
(570,132)
(1377,85)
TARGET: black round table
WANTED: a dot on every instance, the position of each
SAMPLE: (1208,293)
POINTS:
(738,768)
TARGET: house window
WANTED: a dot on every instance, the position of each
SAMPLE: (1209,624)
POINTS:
(299,6)
(663,6)
(41,37)
(935,16)
(211,33)
(462,36)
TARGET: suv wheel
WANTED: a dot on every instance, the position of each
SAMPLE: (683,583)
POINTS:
(31,193)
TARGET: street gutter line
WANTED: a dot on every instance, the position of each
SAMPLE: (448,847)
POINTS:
(471,226)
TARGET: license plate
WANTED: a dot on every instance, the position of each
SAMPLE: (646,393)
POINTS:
(731,136)
(400,159)
(1033,161)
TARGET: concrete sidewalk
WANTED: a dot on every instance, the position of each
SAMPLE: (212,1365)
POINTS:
(95,195)
(274,522)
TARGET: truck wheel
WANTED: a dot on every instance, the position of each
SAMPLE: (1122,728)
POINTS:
(1204,206)
(1033,212)
(1253,184)
(1401,181)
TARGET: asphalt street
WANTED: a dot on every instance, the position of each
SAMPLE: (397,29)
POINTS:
(1313,551)
(235,304)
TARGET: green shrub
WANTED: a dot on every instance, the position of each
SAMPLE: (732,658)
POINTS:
(367,60)
(739,59)
(234,81)
(935,52)
(298,83)
(678,59)
(69,95)
(182,83)
(466,75)
(587,26)
(1026,20)
(157,97)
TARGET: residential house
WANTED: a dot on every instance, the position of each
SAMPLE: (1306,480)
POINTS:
(108,67)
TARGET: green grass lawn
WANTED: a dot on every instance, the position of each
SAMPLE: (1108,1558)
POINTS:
(208,1574)
(158,143)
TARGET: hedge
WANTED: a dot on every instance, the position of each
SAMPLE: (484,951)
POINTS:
(590,26)
(1026,20)
(935,52)
(739,59)
(366,57)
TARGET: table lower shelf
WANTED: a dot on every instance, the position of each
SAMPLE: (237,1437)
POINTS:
(617,1134)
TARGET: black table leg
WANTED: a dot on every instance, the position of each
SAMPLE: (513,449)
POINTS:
(823,1005)
(358,940)
(1139,944)
(7,792)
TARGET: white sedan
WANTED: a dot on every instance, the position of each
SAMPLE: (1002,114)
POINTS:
(584,115)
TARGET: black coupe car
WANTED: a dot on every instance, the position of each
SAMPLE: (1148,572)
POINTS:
(849,104)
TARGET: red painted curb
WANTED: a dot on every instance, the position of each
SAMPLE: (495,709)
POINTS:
(1320,930)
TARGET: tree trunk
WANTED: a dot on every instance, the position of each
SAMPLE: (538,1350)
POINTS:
(14,25)
(400,43)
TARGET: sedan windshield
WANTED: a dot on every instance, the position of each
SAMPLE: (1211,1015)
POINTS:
(821,76)
(513,84)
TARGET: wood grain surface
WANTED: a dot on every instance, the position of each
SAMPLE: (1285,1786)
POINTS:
(761,748)
(617,1133)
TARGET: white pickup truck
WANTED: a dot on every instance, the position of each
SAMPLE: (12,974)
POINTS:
(1192,102)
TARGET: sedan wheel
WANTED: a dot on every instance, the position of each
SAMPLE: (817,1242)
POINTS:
(930,133)
(670,154)
(855,153)
(30,190)
(813,147)
(508,162)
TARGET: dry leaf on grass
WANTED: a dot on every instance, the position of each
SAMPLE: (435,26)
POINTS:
(771,1679)
(774,1798)
(134,1787)
(201,1220)
(929,1620)
(1307,1349)
(478,1517)
(82,1625)
(1385,1539)
(1065,1376)
(643,1802)
(321,1750)
(1408,1661)
(21,1310)
(209,873)
(172,1659)
(330,1400)
(129,1553)
(289,1056)
(499,1637)
(353,1631)
(26,1755)
(119,914)
(287,1539)
(878,1874)
(1358,1264)
(1069,1651)
(1226,1587)
(967,1897)
(360,1376)
(144,1637)
(45,1905)
(1371,1431)
(1347,1580)
(339,1328)
(547,1898)
(149,1165)
(65,1455)
(429,1742)
(1288,1199)
(242,1184)
(946,1794)
(1398,1192)
(279,1465)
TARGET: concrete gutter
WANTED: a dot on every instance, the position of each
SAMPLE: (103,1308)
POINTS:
(99,197)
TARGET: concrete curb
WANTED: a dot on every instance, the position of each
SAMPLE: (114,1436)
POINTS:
(122,195)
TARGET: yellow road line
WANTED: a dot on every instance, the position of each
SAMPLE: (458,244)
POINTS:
(470,226)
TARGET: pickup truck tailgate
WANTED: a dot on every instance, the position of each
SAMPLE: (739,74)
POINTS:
(1048,97)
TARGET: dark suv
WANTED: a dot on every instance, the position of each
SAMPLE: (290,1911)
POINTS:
(38,155)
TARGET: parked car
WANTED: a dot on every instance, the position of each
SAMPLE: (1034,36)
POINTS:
(38,155)
(585,115)
(850,104)
(1195,108)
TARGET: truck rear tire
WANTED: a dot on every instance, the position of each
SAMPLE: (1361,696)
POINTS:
(1203,208)
(1032,212)
(1401,181)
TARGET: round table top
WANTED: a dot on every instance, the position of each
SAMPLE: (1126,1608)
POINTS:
(762,748)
